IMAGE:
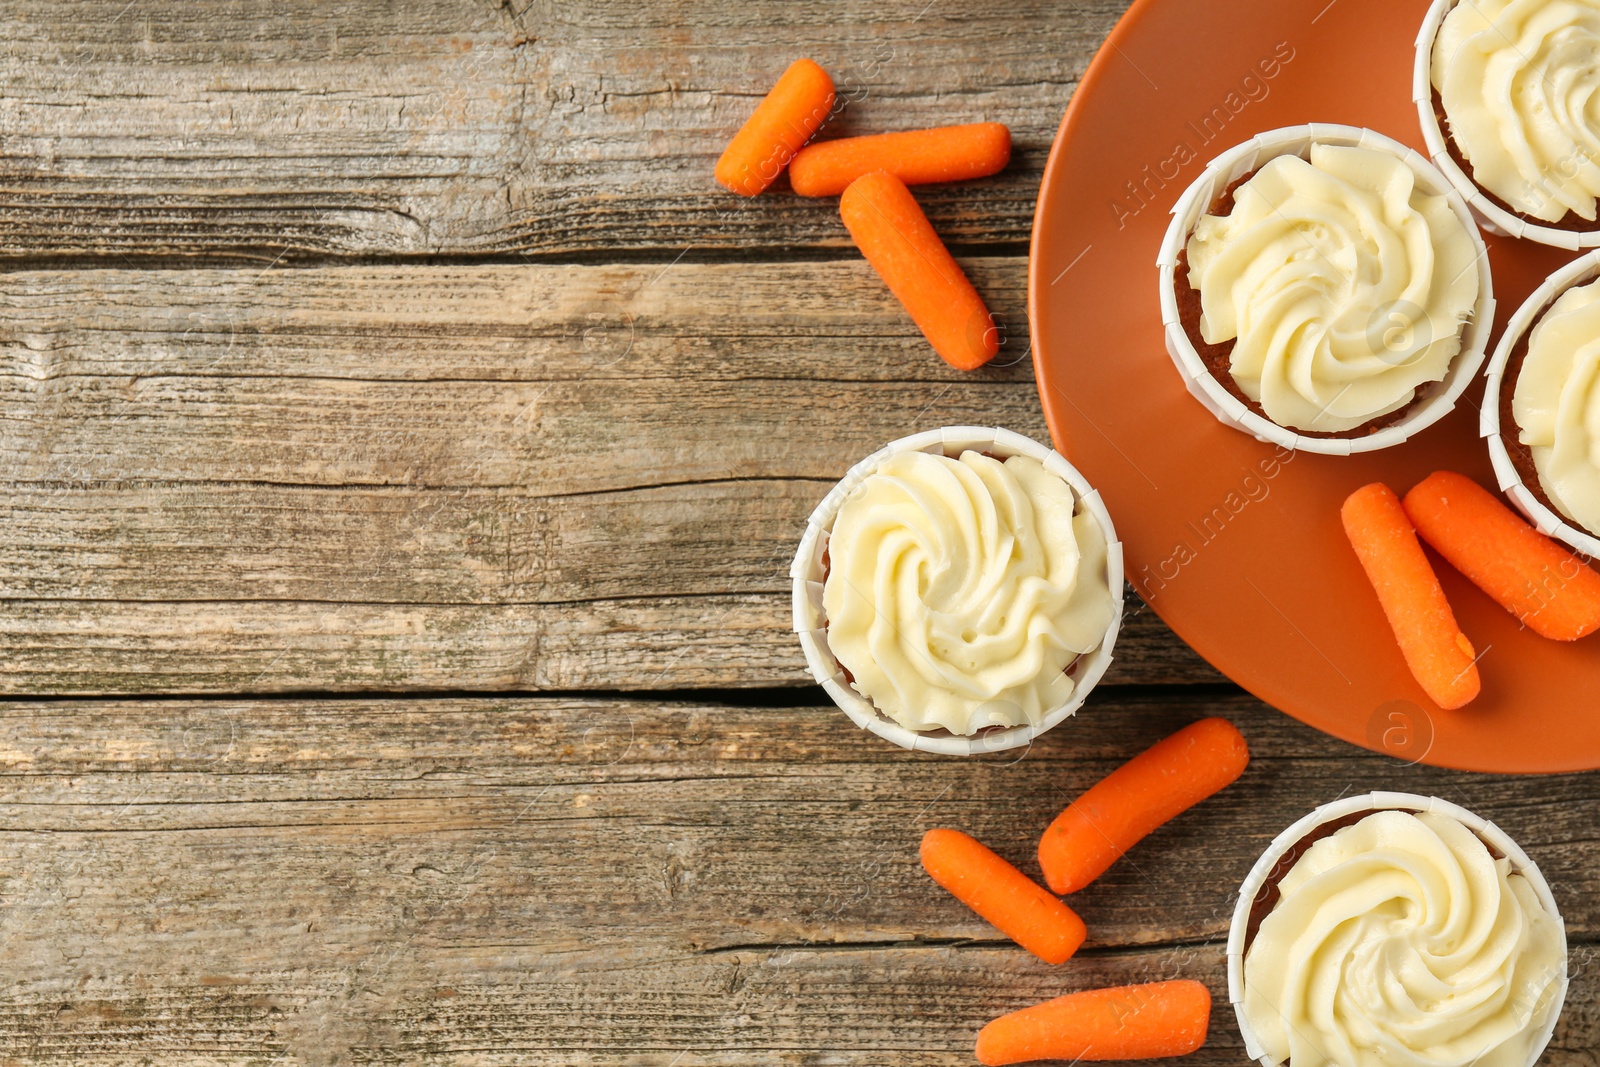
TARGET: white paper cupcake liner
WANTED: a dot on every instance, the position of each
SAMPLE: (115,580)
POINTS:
(1545,520)
(1490,216)
(806,575)
(1380,801)
(1438,398)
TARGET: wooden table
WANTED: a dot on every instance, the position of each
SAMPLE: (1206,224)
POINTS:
(402,446)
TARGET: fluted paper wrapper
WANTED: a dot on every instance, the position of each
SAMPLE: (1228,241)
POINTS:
(807,573)
(1548,522)
(1438,398)
(1263,871)
(1490,216)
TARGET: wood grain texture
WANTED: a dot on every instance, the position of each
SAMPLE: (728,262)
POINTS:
(86,647)
(553,880)
(219,128)
(450,477)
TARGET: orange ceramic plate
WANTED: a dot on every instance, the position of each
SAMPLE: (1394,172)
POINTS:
(1240,549)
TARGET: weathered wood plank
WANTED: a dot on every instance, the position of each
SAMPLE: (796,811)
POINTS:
(561,379)
(199,541)
(612,881)
(93,647)
(89,647)
(474,1006)
(492,1006)
(806,321)
(210,127)
(446,477)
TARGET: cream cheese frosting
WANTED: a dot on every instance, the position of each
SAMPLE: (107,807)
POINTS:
(1343,285)
(1401,941)
(959,591)
(1520,85)
(1556,403)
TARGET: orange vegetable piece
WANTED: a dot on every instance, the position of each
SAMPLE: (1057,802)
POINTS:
(1131,1022)
(916,157)
(1017,905)
(1526,573)
(1438,653)
(892,232)
(783,121)
(1117,812)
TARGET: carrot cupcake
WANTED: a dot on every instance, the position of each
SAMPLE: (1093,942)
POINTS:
(1542,421)
(959,591)
(1395,930)
(1324,288)
(1508,92)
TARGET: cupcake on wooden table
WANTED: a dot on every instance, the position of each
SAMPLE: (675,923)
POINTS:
(1396,930)
(1508,92)
(1323,288)
(959,591)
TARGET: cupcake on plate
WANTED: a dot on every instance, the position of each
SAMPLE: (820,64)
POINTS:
(1324,288)
(1508,93)
(1541,416)
(1394,930)
(959,591)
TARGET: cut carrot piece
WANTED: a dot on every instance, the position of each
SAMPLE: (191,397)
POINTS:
(1527,573)
(1438,653)
(782,122)
(1131,1022)
(1166,779)
(892,232)
(1017,905)
(916,157)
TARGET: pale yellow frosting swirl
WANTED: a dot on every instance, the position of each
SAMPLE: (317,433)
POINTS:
(1342,284)
(1401,941)
(1556,403)
(1520,85)
(960,591)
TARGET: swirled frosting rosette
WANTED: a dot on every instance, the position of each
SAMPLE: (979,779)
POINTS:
(1342,285)
(1402,939)
(1325,288)
(1519,83)
(961,589)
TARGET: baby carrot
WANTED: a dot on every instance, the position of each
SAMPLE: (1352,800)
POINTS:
(916,157)
(892,232)
(1528,574)
(1016,904)
(1131,1022)
(782,122)
(1116,813)
(1438,653)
